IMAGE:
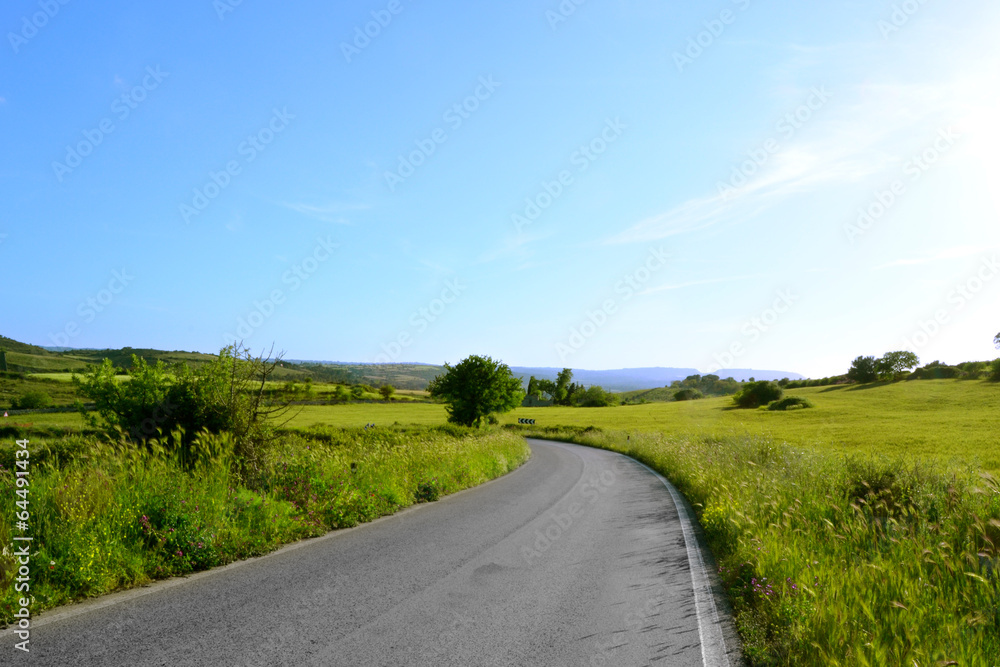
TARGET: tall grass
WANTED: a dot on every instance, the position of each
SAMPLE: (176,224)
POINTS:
(106,516)
(832,559)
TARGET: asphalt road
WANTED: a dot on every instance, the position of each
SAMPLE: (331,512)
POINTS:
(580,557)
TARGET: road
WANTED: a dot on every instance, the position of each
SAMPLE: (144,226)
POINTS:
(577,558)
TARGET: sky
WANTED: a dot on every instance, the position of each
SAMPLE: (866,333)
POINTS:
(584,184)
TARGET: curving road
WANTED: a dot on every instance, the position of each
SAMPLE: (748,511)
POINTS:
(580,557)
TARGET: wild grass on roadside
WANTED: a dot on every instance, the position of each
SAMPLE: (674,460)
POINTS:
(839,560)
(106,516)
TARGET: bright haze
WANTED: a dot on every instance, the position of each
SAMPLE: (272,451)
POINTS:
(596,185)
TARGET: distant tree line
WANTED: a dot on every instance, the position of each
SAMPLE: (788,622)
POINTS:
(563,391)
(698,386)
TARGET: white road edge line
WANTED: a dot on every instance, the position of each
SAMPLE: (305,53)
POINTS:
(713,644)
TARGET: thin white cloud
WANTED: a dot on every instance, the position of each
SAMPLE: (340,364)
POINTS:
(958,252)
(694,283)
(333,213)
(866,129)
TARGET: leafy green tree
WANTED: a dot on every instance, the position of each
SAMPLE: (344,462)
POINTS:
(3,360)
(387,390)
(547,387)
(562,394)
(863,370)
(475,388)
(533,389)
(357,392)
(893,364)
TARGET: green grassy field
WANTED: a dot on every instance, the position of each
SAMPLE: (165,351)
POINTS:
(359,414)
(939,419)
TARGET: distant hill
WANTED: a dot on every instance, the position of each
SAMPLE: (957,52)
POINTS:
(27,358)
(632,379)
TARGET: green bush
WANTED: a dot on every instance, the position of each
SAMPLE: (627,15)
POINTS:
(594,397)
(936,371)
(995,370)
(687,395)
(974,369)
(756,394)
(34,399)
(790,403)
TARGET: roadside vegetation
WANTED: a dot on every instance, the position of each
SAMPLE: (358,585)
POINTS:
(181,469)
(108,515)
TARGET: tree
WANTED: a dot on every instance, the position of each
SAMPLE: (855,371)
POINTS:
(996,341)
(547,387)
(863,369)
(562,394)
(475,388)
(387,390)
(893,364)
(534,390)
(3,359)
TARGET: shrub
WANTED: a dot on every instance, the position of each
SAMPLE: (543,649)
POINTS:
(222,396)
(32,400)
(790,403)
(755,394)
(995,370)
(595,397)
(974,369)
(688,395)
(428,491)
(936,371)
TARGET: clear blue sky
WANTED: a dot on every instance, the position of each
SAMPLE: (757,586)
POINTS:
(642,183)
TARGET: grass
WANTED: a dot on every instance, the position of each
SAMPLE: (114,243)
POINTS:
(359,414)
(61,393)
(43,362)
(838,559)
(941,420)
(106,517)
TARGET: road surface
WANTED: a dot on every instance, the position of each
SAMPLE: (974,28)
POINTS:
(580,557)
